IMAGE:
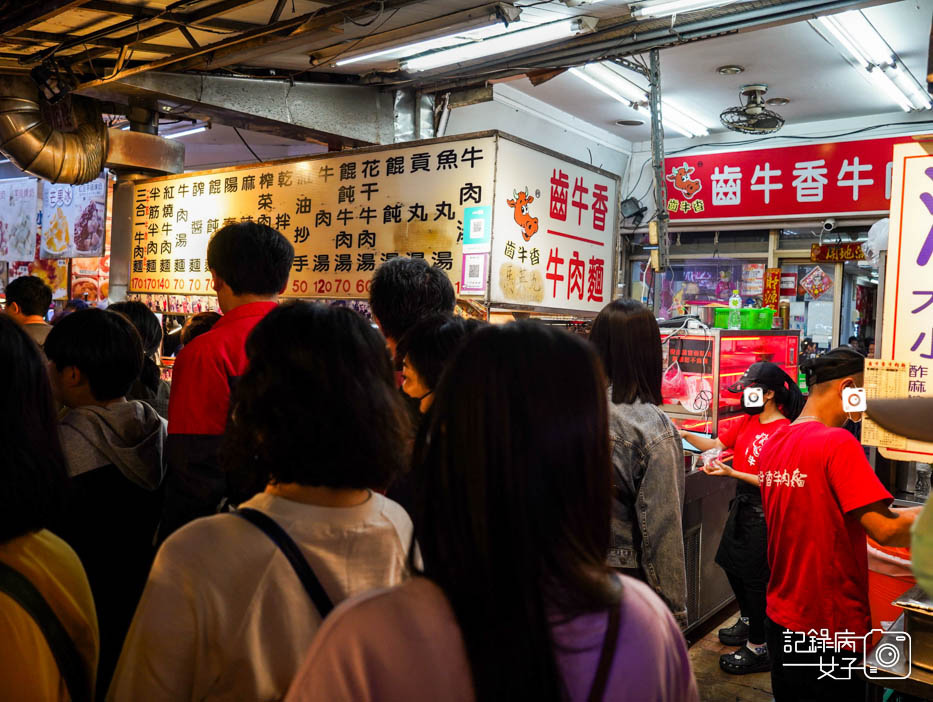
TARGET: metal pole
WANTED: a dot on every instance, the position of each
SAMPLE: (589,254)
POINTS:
(657,157)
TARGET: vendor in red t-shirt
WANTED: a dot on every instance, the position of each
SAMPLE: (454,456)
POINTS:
(743,549)
(820,498)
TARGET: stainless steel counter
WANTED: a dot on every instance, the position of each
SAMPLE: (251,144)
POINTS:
(706,505)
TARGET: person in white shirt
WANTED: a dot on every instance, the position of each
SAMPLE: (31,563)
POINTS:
(316,418)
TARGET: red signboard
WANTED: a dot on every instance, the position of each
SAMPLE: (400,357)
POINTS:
(772,297)
(788,284)
(810,180)
(836,252)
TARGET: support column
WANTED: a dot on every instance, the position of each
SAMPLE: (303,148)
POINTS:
(657,158)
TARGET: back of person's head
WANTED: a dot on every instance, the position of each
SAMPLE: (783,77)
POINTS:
(201,323)
(405,291)
(32,296)
(104,346)
(853,340)
(150,333)
(318,403)
(33,478)
(431,342)
(145,321)
(251,258)
(628,340)
(512,499)
(825,371)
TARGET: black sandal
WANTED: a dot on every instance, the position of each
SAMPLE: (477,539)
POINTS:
(735,635)
(745,661)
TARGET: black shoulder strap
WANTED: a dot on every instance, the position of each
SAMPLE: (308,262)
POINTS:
(598,690)
(291,551)
(70,664)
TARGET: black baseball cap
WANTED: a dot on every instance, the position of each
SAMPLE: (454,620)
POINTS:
(764,374)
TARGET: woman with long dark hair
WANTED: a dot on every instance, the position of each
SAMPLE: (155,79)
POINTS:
(149,387)
(514,600)
(743,549)
(647,455)
(33,497)
(229,611)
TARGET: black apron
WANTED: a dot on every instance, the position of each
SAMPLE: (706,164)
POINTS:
(743,550)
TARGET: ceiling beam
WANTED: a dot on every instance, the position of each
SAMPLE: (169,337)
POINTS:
(115,44)
(244,52)
(116,8)
(32,13)
(259,38)
(192,19)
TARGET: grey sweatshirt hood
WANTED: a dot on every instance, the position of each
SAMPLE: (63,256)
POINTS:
(129,435)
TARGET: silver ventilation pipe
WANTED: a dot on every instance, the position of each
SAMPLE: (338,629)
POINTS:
(35,146)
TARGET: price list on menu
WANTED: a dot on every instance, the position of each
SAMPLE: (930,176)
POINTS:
(883,380)
(344,215)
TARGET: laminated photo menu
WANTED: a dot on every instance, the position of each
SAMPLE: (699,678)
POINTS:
(73,219)
(18,214)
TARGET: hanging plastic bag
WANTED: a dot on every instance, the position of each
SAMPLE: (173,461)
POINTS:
(877,241)
(673,383)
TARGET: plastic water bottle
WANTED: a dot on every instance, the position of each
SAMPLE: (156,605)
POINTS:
(735,311)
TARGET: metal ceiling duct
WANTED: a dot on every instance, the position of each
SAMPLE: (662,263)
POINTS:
(35,146)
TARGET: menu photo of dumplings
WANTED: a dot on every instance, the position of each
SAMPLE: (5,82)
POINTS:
(18,215)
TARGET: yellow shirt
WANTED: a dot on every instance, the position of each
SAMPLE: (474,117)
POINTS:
(28,670)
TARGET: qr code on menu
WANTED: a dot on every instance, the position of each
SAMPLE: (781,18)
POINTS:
(473,271)
(477,228)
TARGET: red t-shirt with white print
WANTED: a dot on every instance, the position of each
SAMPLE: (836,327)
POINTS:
(812,478)
(746,437)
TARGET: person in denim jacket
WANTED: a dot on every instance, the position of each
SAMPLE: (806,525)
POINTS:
(647,455)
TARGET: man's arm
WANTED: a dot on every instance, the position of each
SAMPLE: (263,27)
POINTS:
(888,526)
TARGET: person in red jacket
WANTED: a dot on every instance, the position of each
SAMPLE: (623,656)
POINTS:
(249,265)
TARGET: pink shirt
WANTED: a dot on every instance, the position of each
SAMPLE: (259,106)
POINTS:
(403,644)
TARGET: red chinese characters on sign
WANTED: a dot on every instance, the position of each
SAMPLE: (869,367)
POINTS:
(836,252)
(791,181)
(583,278)
(772,294)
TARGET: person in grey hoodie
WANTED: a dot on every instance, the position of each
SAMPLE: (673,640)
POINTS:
(114,451)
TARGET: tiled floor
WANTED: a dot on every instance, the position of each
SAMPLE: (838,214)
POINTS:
(717,686)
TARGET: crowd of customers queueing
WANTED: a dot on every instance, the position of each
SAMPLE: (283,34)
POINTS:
(420,508)
(446,487)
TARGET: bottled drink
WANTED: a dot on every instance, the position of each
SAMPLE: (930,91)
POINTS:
(735,311)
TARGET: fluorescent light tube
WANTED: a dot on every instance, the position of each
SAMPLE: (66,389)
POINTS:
(879,78)
(187,132)
(608,81)
(844,40)
(865,37)
(605,78)
(417,47)
(6,160)
(908,85)
(510,41)
(663,8)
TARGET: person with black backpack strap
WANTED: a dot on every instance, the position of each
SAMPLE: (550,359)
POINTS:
(49,639)
(513,599)
(234,600)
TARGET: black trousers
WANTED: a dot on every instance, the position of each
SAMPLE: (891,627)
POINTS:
(752,601)
(793,683)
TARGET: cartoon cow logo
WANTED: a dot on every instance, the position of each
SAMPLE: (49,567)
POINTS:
(519,203)
(680,177)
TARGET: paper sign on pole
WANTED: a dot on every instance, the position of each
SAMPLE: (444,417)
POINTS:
(907,334)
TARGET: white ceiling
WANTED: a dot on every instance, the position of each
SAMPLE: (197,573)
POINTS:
(793,60)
